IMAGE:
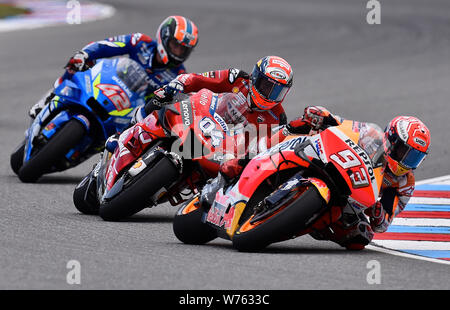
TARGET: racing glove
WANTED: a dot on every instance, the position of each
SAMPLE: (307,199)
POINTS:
(315,118)
(298,126)
(379,218)
(165,94)
(78,62)
(319,118)
(157,100)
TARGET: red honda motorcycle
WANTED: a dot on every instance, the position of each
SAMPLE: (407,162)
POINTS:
(288,190)
(167,157)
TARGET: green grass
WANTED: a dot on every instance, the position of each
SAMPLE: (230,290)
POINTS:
(9,10)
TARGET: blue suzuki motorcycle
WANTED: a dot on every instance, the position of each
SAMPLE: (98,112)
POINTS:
(82,113)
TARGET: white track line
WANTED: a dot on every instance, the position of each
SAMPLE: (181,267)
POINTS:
(444,179)
(402,254)
(413,245)
(404,221)
(429,201)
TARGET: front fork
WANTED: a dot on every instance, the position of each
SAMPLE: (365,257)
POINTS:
(35,128)
(52,125)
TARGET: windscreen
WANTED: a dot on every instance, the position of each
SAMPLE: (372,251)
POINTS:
(371,140)
(132,74)
(232,108)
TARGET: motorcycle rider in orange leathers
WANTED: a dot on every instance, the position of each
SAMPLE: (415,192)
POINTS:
(406,141)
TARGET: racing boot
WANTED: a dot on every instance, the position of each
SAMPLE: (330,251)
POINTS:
(357,237)
(354,237)
(37,107)
(351,231)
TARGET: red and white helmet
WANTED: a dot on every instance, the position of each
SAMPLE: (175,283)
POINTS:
(406,144)
(177,36)
(270,81)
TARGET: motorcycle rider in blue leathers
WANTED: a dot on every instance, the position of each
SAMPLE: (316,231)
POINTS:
(162,58)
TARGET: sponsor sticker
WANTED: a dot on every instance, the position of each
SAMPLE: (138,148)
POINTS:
(186,113)
(278,74)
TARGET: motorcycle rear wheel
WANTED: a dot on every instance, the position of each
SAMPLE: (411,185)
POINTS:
(137,195)
(57,147)
(188,226)
(282,225)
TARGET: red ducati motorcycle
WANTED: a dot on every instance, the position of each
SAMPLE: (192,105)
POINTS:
(288,190)
(167,157)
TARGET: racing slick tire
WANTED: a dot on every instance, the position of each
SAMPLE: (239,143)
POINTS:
(57,147)
(138,195)
(283,224)
(188,226)
(84,196)
(16,159)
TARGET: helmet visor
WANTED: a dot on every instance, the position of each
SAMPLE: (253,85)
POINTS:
(178,51)
(406,156)
(413,158)
(268,88)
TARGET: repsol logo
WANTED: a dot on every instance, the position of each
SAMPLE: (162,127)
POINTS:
(284,146)
(186,113)
(363,155)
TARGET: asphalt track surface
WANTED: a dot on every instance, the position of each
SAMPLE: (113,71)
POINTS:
(359,71)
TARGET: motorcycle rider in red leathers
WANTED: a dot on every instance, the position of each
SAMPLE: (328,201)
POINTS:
(406,142)
(264,89)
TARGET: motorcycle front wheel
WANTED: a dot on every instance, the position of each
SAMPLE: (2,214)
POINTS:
(16,159)
(137,195)
(188,226)
(55,149)
(85,196)
(283,224)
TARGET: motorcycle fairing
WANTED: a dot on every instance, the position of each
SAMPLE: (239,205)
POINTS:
(228,208)
(131,144)
(353,163)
